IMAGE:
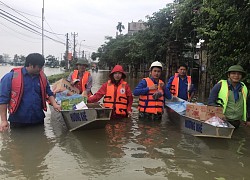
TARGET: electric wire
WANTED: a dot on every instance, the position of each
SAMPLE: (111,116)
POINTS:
(22,25)
(19,33)
(36,25)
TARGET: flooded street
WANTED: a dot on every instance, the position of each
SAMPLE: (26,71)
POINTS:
(127,149)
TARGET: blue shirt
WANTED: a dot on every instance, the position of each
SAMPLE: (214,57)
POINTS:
(183,87)
(142,89)
(30,109)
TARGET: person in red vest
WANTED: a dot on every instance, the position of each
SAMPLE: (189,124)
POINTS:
(180,85)
(81,78)
(152,93)
(117,94)
(23,92)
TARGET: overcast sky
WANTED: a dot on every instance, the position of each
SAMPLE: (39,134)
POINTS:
(91,20)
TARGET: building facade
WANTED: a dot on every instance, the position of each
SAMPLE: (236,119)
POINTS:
(134,27)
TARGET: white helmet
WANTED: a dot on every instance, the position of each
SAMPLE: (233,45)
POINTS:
(156,64)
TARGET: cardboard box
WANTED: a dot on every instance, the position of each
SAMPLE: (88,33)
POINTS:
(196,111)
(215,111)
(63,85)
(203,112)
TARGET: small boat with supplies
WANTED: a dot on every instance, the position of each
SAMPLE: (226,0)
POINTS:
(204,123)
(82,119)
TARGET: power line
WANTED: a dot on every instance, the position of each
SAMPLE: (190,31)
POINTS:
(26,27)
(20,33)
(37,26)
(19,19)
(17,11)
(53,31)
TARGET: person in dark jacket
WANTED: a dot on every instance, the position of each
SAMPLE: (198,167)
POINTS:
(23,92)
(232,95)
(180,85)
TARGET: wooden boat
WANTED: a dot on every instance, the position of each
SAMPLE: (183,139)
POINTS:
(92,118)
(197,127)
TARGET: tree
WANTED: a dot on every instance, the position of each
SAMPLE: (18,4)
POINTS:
(1,59)
(226,28)
(120,27)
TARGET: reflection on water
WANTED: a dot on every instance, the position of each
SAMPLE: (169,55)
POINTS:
(23,152)
(127,149)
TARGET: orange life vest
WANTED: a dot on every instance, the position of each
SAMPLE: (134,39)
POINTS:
(84,79)
(17,89)
(116,100)
(147,103)
(175,85)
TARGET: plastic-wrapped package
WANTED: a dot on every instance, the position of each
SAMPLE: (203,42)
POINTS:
(179,106)
(216,121)
(80,105)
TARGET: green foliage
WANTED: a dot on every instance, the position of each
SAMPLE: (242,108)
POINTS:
(56,77)
(223,24)
(144,46)
(51,61)
(227,30)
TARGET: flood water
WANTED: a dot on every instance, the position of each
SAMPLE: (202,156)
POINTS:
(127,149)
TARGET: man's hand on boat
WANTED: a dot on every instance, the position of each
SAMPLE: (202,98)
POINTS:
(57,107)
(4,125)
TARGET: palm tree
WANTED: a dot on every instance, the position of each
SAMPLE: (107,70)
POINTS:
(120,27)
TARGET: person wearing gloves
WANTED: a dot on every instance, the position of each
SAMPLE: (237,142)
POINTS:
(152,93)
(117,94)
(231,94)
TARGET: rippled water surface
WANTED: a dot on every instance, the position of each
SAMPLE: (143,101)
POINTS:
(127,149)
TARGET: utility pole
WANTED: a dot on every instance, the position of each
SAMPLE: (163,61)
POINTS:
(80,53)
(67,52)
(74,44)
(203,90)
(43,29)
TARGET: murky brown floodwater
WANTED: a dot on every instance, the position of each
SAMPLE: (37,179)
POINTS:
(127,149)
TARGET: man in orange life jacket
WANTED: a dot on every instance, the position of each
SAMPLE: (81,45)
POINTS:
(81,78)
(23,91)
(180,85)
(117,94)
(152,93)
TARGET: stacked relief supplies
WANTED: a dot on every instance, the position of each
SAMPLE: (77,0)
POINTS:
(73,102)
(68,96)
